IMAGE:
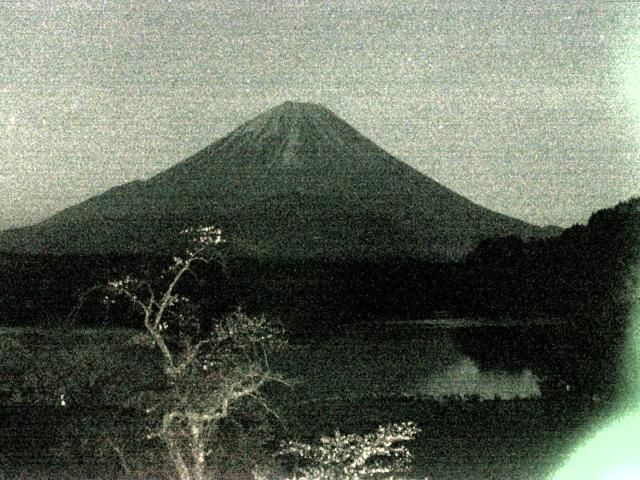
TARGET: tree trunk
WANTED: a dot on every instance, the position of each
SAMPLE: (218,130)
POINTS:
(178,461)
(174,448)
(197,448)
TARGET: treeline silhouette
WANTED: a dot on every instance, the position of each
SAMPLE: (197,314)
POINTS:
(584,278)
(43,290)
(585,271)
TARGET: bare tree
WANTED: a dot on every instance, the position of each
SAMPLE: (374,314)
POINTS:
(209,370)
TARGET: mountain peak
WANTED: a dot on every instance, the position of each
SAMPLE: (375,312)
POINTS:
(294,134)
(291,106)
(297,112)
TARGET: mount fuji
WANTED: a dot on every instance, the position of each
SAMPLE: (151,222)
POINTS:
(295,182)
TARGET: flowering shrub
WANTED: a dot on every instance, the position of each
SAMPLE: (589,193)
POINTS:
(379,454)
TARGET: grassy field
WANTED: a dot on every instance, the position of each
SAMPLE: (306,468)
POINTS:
(101,373)
(100,367)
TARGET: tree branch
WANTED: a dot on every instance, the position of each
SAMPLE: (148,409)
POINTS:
(182,366)
(133,298)
(121,458)
(71,316)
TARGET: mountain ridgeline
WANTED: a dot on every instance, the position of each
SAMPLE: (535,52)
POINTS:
(297,183)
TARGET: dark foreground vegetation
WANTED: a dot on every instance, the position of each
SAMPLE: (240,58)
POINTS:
(71,407)
(470,440)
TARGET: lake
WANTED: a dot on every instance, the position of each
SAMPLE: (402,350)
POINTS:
(437,358)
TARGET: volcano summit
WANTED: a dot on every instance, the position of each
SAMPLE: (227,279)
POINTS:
(294,182)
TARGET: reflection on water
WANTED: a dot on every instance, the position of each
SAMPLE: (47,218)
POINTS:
(465,379)
(425,362)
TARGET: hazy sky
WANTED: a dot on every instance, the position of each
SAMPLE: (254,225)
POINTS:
(528,108)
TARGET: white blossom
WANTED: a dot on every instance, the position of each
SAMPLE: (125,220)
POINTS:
(355,456)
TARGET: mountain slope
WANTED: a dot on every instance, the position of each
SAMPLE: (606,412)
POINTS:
(296,182)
